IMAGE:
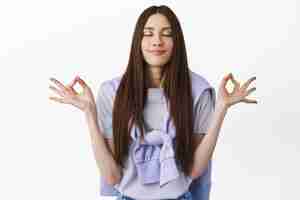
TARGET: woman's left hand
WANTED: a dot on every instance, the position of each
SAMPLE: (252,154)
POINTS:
(238,94)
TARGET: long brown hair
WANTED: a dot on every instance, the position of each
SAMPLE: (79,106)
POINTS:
(131,95)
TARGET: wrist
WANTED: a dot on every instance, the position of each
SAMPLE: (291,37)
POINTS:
(90,111)
(221,106)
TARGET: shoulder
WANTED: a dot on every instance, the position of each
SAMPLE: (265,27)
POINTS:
(110,86)
(198,80)
(200,85)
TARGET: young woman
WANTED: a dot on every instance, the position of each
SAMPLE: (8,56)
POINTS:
(154,129)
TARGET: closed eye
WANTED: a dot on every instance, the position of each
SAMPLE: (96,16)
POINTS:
(164,34)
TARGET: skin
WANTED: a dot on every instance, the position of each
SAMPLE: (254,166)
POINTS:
(155,38)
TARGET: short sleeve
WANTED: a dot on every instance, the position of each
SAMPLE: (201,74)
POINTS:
(104,104)
(204,108)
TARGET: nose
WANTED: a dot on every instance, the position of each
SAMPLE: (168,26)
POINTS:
(157,41)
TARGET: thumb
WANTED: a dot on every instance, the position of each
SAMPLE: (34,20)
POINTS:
(81,82)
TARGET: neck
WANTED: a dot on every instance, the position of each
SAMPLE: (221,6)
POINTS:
(155,75)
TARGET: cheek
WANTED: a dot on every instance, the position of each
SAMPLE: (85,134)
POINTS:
(169,46)
(144,44)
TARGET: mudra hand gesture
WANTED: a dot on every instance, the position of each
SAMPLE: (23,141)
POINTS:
(238,94)
(68,95)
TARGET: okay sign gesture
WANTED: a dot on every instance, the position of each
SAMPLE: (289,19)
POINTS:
(68,95)
(238,94)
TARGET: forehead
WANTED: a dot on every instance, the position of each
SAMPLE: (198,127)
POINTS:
(157,21)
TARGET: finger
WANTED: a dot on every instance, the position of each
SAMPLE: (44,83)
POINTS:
(225,80)
(59,84)
(60,100)
(251,90)
(235,82)
(248,82)
(71,85)
(57,91)
(81,82)
(71,90)
(249,101)
(73,82)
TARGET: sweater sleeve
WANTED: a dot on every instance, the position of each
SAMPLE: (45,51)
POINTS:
(104,105)
(204,108)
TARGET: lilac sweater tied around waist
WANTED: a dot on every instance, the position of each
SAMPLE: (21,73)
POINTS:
(154,157)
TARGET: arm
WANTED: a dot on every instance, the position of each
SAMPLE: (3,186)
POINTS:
(85,101)
(225,100)
(203,152)
(103,154)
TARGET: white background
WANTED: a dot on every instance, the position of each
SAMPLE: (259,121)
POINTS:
(45,147)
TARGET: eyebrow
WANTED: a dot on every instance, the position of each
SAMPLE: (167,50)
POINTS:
(151,28)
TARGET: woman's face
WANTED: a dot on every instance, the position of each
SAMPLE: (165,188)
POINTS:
(157,42)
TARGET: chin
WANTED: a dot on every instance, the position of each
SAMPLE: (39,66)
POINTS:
(156,63)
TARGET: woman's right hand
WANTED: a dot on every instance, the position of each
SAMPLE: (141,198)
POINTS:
(68,95)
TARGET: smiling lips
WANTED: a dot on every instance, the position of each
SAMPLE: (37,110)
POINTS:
(157,52)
